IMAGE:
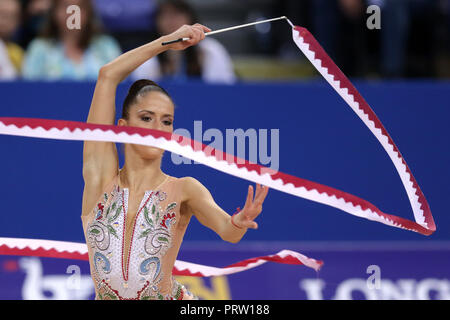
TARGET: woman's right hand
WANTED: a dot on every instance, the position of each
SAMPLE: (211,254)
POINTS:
(195,33)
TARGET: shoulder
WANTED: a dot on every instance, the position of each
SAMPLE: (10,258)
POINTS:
(40,44)
(16,54)
(191,187)
(217,63)
(105,47)
(213,46)
(14,48)
(104,40)
(189,182)
(37,54)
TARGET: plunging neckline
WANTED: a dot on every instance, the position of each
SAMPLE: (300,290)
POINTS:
(146,191)
(147,194)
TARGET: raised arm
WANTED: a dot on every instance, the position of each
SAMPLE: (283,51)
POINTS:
(201,204)
(100,159)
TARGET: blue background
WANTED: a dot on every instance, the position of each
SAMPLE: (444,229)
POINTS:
(321,139)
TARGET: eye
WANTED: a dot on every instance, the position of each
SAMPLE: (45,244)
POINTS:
(145,118)
(167,122)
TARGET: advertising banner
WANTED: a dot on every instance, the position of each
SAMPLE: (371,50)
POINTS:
(371,271)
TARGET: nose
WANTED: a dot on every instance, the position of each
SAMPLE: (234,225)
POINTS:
(158,125)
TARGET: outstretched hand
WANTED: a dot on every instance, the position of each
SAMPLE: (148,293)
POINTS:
(252,207)
(195,33)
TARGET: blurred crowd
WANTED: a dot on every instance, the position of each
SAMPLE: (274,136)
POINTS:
(413,39)
(36,43)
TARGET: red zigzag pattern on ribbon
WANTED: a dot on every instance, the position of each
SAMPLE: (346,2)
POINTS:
(78,251)
(71,130)
(320,58)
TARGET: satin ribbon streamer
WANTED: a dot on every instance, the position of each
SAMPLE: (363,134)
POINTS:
(424,223)
(78,251)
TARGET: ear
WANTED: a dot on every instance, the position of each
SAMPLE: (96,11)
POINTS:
(122,122)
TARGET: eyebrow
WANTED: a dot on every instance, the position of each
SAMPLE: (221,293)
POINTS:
(152,113)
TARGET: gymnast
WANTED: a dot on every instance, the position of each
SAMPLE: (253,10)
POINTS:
(134,218)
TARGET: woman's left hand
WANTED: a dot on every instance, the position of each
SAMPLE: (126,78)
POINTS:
(194,33)
(252,207)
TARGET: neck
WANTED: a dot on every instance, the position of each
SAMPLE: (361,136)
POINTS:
(141,174)
(70,38)
(72,34)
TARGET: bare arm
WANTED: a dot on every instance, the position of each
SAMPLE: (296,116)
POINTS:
(201,203)
(100,159)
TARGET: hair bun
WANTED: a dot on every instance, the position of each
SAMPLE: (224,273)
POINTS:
(139,84)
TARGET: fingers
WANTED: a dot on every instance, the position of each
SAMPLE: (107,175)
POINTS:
(192,35)
(253,207)
(251,225)
(261,193)
(265,192)
(249,199)
(204,28)
(197,33)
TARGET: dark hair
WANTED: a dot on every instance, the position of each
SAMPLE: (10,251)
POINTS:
(193,64)
(93,27)
(140,88)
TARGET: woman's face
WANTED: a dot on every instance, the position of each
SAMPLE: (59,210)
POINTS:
(155,110)
(9,17)
(61,16)
(170,19)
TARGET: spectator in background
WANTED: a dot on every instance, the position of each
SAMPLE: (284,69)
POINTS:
(11,54)
(409,37)
(340,27)
(131,22)
(34,13)
(208,60)
(62,53)
(412,35)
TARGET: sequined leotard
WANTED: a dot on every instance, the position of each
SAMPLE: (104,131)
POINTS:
(143,270)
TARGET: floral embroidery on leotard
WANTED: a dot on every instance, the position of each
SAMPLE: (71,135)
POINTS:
(151,239)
